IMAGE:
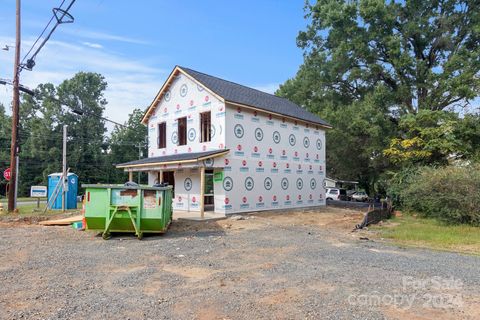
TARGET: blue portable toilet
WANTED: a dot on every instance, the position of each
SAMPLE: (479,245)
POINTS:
(71,195)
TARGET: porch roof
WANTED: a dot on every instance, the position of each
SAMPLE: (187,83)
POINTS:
(174,159)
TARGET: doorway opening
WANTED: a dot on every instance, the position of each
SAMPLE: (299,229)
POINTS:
(209,195)
(169,178)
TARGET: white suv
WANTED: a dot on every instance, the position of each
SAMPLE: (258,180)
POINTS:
(336,194)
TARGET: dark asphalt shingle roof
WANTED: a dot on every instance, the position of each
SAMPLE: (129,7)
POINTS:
(237,93)
(173,157)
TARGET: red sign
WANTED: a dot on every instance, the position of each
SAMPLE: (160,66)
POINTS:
(6,174)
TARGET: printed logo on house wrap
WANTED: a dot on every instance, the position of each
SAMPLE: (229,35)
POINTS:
(238,131)
(260,203)
(313,184)
(299,199)
(274,201)
(306,142)
(212,131)
(239,114)
(276,137)
(270,154)
(319,144)
(192,106)
(292,139)
(259,134)
(299,184)
(227,166)
(259,167)
(255,153)
(208,162)
(167,96)
(274,168)
(244,167)
(284,183)
(245,204)
(179,110)
(174,137)
(192,134)
(227,184)
(267,183)
(227,205)
(249,183)
(187,184)
(183,90)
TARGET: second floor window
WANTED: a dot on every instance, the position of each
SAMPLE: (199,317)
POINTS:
(162,135)
(205,125)
(182,131)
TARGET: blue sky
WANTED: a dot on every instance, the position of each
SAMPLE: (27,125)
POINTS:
(135,44)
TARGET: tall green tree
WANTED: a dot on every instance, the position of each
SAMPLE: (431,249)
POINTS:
(41,138)
(425,52)
(367,60)
(127,143)
(86,133)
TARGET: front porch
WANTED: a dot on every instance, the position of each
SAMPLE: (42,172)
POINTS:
(191,175)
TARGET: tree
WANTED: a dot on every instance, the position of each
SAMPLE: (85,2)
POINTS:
(124,144)
(371,65)
(435,137)
(87,145)
(426,53)
(42,119)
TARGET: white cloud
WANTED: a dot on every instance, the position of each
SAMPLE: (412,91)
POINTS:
(92,45)
(96,35)
(268,88)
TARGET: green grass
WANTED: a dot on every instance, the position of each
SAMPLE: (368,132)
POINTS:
(5,200)
(429,233)
(31,210)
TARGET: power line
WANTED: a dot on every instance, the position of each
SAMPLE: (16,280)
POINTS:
(41,34)
(56,12)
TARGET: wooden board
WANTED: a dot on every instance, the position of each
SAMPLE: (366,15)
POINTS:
(61,222)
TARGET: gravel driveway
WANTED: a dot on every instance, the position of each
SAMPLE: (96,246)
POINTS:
(298,265)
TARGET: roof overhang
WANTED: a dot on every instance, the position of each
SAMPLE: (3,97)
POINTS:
(183,158)
(178,70)
(175,72)
(277,114)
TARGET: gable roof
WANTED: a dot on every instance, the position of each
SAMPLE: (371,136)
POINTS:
(238,94)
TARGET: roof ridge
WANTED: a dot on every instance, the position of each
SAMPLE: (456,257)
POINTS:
(238,84)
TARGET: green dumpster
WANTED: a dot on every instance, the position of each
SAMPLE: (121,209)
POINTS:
(119,208)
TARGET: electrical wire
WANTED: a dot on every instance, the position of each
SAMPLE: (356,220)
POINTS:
(41,34)
(59,21)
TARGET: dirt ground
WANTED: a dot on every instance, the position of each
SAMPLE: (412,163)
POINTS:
(288,265)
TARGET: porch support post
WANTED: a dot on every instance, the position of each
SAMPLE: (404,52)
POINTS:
(202,191)
(130,175)
(160,176)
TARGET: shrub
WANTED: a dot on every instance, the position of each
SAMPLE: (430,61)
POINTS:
(450,193)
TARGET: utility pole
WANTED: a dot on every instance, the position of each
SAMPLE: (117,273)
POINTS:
(15,115)
(64,170)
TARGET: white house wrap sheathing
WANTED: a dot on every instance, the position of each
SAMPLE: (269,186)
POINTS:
(274,162)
